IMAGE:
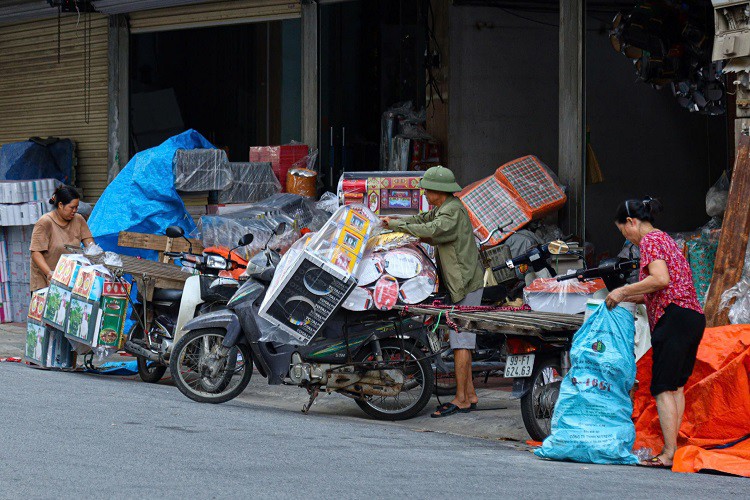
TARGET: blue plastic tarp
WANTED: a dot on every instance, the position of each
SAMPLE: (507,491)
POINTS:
(122,368)
(142,198)
(31,160)
(592,418)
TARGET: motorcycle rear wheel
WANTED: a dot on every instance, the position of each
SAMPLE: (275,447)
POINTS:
(418,371)
(149,371)
(538,405)
(188,365)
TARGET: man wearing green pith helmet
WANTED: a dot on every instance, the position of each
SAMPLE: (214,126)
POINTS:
(448,228)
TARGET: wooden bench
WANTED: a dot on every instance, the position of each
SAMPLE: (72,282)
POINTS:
(157,242)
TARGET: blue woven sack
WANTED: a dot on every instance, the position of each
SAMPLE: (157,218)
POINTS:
(592,418)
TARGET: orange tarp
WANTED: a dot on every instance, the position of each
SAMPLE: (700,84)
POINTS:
(717,406)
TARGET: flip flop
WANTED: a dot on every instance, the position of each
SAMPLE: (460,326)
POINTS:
(655,462)
(449,409)
(473,406)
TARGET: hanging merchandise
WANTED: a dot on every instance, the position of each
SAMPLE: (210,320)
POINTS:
(669,43)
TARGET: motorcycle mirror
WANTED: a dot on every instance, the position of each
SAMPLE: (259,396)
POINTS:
(245,240)
(558,247)
(175,232)
(280,229)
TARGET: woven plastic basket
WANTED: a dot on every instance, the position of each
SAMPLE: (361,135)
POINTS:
(494,257)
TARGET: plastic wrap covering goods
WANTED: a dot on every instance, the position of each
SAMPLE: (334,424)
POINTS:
(592,418)
(519,191)
(384,192)
(251,182)
(570,296)
(142,197)
(739,310)
(316,276)
(226,230)
(201,170)
(281,158)
(715,430)
(38,159)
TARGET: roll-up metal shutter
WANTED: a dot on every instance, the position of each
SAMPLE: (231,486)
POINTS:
(213,14)
(41,97)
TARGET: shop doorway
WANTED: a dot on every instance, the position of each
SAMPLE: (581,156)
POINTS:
(372,56)
(238,85)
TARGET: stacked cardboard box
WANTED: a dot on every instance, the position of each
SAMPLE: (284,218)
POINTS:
(15,271)
(45,346)
(85,304)
(23,202)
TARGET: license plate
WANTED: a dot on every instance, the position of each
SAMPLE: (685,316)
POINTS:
(519,366)
(432,338)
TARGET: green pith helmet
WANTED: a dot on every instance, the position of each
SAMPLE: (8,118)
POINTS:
(439,179)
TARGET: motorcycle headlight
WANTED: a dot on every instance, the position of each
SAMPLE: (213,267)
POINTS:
(216,262)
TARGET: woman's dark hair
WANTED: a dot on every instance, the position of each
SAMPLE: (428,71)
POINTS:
(64,194)
(645,210)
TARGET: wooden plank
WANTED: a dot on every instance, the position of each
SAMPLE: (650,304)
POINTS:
(156,242)
(734,236)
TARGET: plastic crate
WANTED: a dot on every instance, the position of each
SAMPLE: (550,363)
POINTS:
(495,256)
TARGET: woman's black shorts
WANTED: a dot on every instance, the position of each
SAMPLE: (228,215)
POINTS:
(674,344)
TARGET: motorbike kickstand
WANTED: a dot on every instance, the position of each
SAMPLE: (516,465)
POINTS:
(313,394)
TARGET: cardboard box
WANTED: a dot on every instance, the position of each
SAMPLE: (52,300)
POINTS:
(67,269)
(84,318)
(56,306)
(89,284)
(111,332)
(59,350)
(36,306)
(36,343)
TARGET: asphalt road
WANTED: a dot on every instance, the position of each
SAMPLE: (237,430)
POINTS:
(77,435)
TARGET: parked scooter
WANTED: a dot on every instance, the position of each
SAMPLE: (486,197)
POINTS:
(169,309)
(380,360)
(539,364)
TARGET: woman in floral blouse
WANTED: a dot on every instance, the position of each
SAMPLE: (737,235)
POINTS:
(674,314)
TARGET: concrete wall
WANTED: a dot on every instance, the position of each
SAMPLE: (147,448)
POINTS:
(504,104)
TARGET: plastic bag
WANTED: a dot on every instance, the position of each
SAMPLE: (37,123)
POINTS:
(112,259)
(716,198)
(592,418)
(328,202)
(739,310)
(251,182)
(92,249)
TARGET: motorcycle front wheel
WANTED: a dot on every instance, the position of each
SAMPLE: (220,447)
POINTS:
(201,375)
(419,383)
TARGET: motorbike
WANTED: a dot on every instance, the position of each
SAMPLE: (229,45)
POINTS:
(379,359)
(538,364)
(169,309)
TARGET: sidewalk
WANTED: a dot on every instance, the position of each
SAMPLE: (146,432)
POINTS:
(12,339)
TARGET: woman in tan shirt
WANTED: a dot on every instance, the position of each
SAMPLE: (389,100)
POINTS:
(55,229)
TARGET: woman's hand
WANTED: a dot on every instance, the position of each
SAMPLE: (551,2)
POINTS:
(615,297)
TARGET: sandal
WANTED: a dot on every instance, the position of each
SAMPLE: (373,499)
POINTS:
(473,406)
(448,409)
(655,462)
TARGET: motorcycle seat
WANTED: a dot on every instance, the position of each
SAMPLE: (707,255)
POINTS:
(167,295)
